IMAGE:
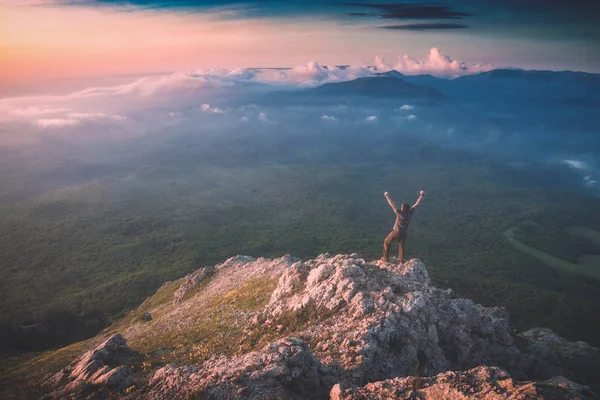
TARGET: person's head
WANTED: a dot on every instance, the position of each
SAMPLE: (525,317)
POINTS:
(405,207)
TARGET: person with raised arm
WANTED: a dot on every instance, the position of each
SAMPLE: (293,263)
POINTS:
(403,216)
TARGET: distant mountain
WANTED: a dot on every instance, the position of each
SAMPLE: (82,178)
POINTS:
(567,86)
(377,86)
(546,76)
(516,83)
(421,80)
(509,87)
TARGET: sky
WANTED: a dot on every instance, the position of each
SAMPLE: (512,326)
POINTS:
(43,40)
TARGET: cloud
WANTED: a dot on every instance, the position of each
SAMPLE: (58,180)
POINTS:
(589,181)
(406,107)
(193,83)
(56,122)
(328,118)
(436,63)
(97,115)
(576,164)
(207,108)
(34,111)
(176,82)
(74,118)
(311,74)
(409,11)
(372,118)
(411,117)
(181,90)
(250,106)
(424,27)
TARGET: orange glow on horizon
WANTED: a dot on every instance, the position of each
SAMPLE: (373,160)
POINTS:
(40,43)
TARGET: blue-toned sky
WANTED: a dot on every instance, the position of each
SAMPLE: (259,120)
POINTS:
(47,39)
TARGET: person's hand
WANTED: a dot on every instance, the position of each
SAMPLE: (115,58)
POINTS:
(385,193)
(422,193)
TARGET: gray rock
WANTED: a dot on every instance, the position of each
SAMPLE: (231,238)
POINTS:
(285,369)
(489,383)
(557,356)
(191,282)
(387,321)
(99,366)
(120,377)
(147,317)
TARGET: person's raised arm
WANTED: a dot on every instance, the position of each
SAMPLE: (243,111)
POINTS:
(421,194)
(390,201)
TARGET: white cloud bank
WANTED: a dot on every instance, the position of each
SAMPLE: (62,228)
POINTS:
(214,110)
(191,82)
(75,118)
(436,63)
(576,164)
(56,122)
(180,91)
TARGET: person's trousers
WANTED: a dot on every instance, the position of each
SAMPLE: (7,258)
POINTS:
(394,235)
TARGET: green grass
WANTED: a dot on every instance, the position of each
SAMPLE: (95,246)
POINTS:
(162,297)
(21,375)
(217,332)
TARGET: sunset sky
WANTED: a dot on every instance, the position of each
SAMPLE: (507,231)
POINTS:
(49,39)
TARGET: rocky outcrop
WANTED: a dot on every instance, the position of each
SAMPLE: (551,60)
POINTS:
(489,383)
(368,327)
(102,367)
(285,369)
(557,356)
(387,321)
(191,282)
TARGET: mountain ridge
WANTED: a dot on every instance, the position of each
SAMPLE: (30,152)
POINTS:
(320,328)
(380,86)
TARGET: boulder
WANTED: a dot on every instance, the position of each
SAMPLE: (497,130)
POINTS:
(102,366)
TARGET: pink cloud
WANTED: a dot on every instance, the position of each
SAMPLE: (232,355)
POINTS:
(436,63)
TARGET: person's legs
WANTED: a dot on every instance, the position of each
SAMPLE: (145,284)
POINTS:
(386,244)
(401,241)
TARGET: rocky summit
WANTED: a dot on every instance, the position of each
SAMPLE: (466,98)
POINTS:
(335,327)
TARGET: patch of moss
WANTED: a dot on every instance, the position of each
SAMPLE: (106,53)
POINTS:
(298,287)
(162,296)
(24,373)
(288,323)
(220,330)
(293,321)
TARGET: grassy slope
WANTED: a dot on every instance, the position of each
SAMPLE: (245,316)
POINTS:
(219,332)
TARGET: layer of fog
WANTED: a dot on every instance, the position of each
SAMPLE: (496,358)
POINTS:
(229,118)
